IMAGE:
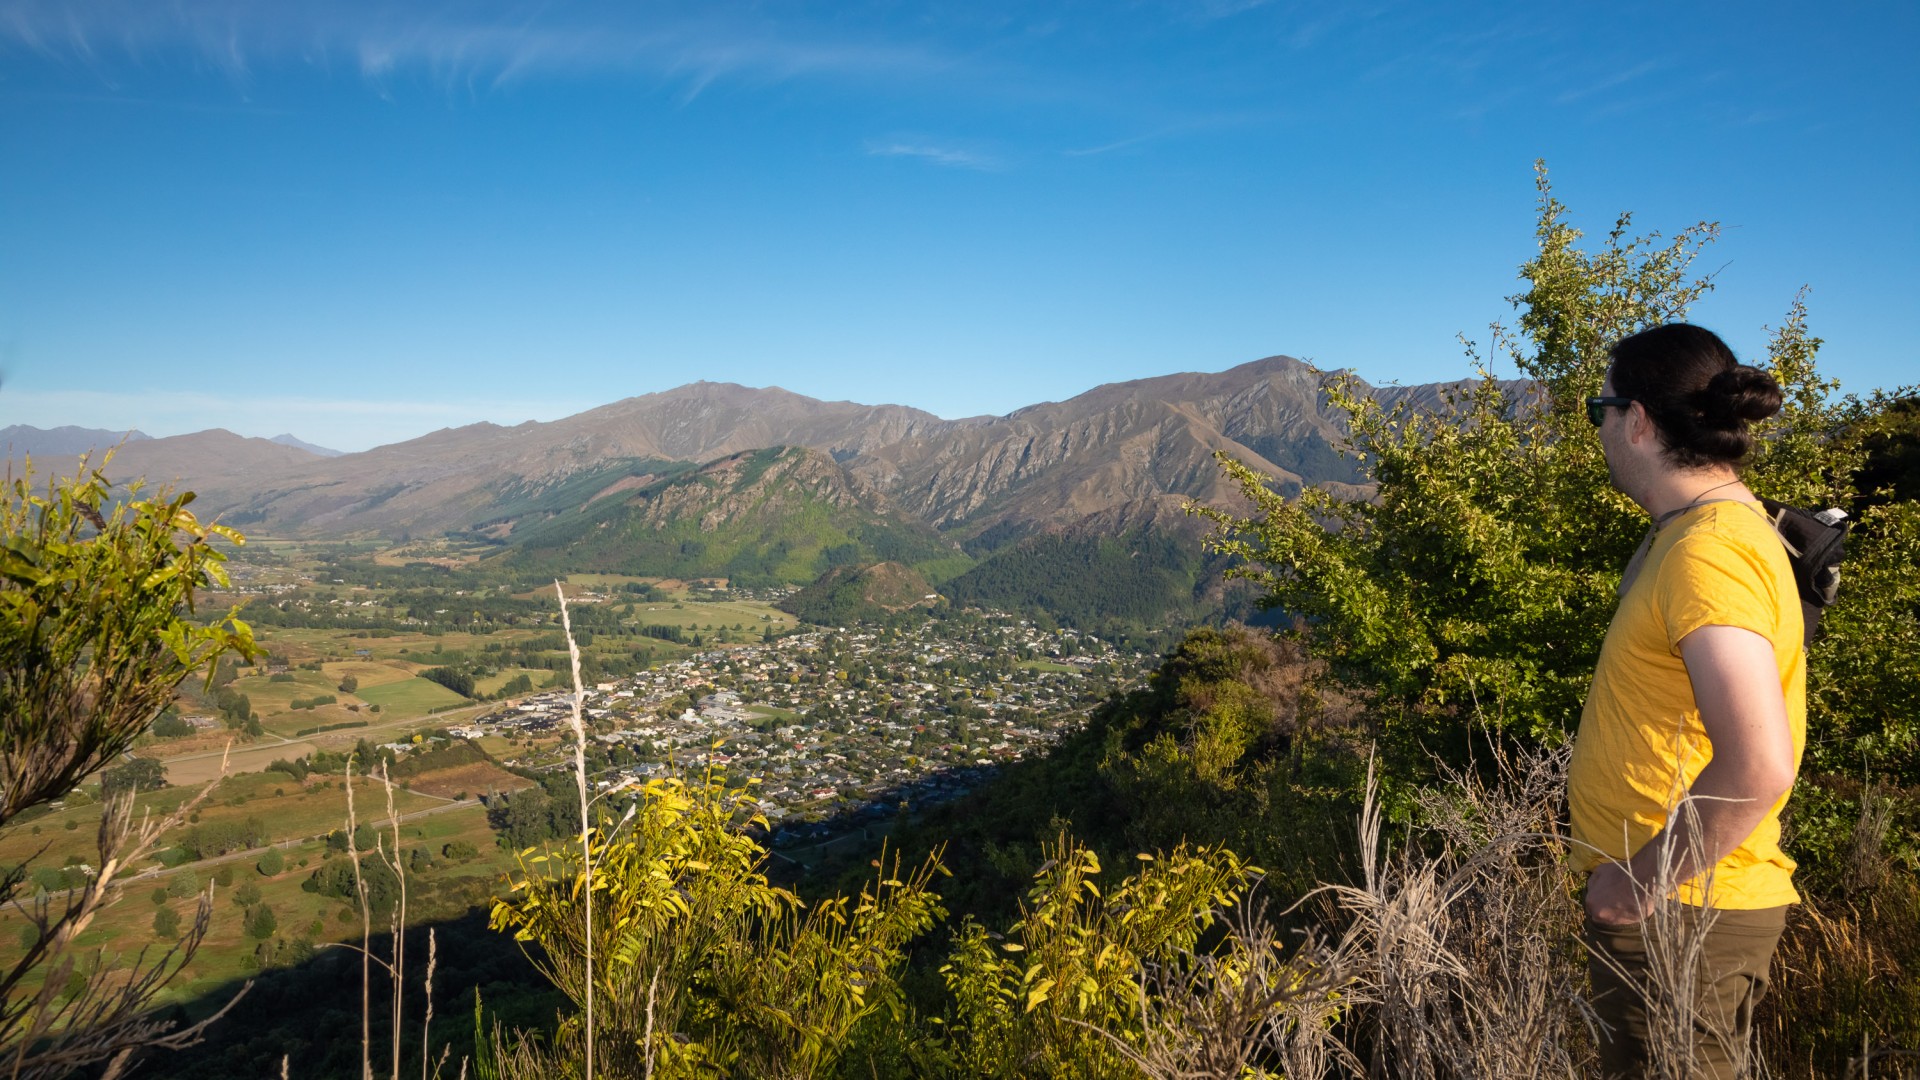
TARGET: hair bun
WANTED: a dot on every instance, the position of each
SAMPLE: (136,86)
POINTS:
(1738,395)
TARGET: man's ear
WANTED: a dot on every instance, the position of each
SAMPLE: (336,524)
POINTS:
(1639,424)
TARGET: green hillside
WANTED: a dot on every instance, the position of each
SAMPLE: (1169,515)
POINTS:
(773,516)
(1144,575)
(847,594)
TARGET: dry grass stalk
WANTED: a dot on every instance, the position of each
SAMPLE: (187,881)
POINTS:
(1673,991)
(426,1025)
(366,935)
(395,967)
(1471,971)
(396,921)
(48,1034)
(586,822)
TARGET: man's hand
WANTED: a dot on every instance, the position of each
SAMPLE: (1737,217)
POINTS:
(1613,899)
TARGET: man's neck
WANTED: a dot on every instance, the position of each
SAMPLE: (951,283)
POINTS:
(1671,491)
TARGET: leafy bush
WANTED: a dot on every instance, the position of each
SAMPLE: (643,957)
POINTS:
(141,773)
(260,922)
(701,960)
(170,725)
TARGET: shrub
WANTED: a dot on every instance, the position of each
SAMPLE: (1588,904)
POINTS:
(166,922)
(781,986)
(272,862)
(260,922)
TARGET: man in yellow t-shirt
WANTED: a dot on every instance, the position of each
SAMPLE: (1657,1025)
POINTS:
(1693,730)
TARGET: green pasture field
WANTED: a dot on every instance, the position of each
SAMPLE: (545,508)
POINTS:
(301,644)
(752,616)
(446,890)
(1044,665)
(496,746)
(602,581)
(370,672)
(288,810)
(410,697)
(492,683)
(276,697)
(439,551)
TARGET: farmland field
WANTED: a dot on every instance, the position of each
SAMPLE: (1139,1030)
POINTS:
(291,813)
(409,697)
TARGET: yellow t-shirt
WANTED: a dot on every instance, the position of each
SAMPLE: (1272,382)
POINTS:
(1641,743)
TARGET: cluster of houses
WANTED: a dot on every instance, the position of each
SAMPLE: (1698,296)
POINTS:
(839,723)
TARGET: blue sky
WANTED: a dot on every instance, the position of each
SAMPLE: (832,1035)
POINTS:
(359,222)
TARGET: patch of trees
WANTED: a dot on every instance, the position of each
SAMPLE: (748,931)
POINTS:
(457,681)
(536,815)
(440,756)
(211,839)
(335,878)
(170,725)
(1144,576)
(141,773)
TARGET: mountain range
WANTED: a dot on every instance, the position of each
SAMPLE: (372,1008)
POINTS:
(772,485)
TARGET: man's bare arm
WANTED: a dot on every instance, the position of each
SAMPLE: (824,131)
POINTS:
(1737,687)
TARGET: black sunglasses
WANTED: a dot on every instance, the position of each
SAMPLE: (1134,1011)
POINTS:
(1597,405)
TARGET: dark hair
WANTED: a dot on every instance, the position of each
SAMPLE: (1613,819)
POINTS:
(1700,398)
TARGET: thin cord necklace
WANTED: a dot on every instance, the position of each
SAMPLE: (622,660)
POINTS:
(1646,542)
(1669,515)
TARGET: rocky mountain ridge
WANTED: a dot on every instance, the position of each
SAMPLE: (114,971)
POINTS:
(984,481)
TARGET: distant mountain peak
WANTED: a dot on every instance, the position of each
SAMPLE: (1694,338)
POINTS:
(22,440)
(302,444)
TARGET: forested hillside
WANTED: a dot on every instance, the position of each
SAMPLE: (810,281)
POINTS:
(774,516)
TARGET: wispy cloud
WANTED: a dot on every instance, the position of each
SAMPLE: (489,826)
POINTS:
(477,44)
(948,156)
(1610,82)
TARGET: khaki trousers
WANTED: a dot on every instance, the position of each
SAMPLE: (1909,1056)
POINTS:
(1729,976)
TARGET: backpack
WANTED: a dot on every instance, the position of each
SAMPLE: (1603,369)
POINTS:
(1815,545)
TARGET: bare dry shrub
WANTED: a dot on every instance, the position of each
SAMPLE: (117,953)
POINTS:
(1846,981)
(1473,965)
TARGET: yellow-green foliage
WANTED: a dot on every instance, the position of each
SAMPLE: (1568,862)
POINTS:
(700,966)
(1037,1002)
(92,635)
